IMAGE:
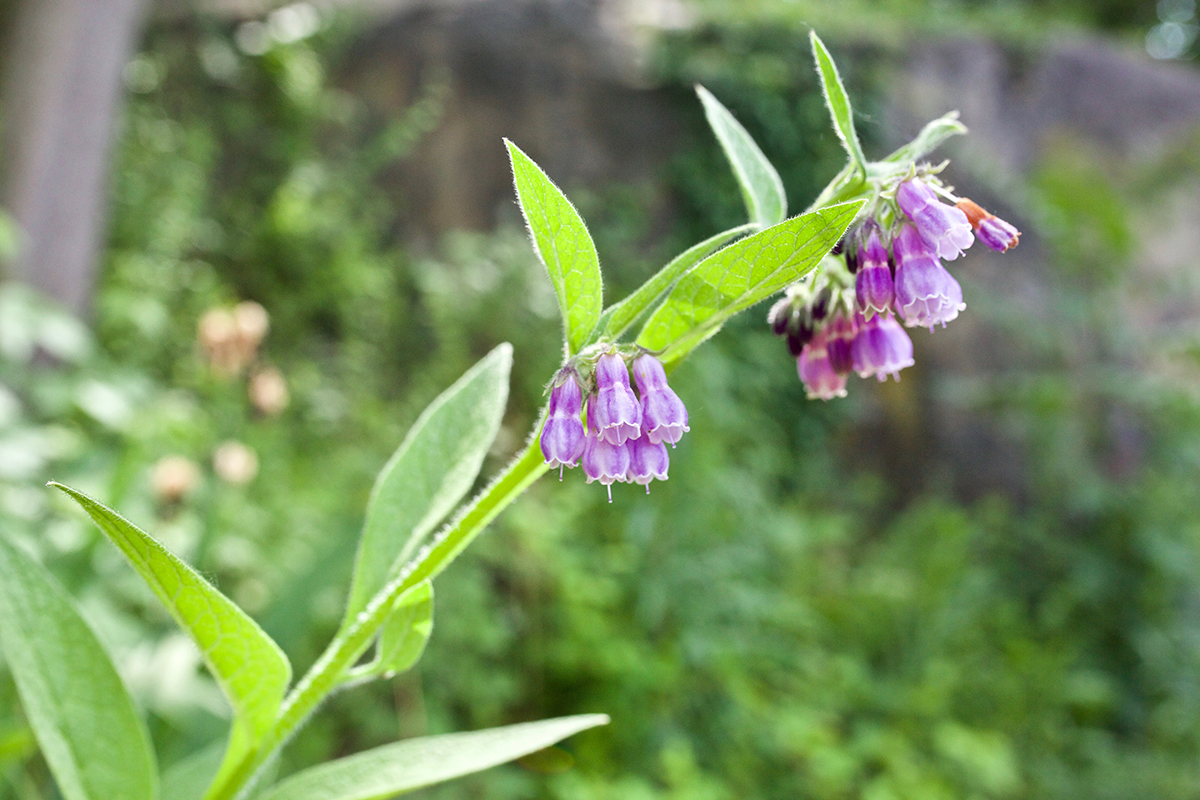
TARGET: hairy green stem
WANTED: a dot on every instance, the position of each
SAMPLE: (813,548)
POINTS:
(327,674)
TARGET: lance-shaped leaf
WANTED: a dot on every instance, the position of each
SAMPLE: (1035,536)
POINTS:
(248,665)
(90,732)
(929,139)
(837,100)
(618,317)
(405,766)
(741,275)
(429,473)
(762,190)
(563,243)
(407,630)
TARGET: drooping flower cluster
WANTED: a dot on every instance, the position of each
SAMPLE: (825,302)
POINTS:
(848,318)
(626,435)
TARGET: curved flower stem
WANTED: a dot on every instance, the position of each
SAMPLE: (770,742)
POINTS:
(329,672)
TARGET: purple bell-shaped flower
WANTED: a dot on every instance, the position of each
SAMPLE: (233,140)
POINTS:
(873,283)
(647,461)
(618,414)
(602,460)
(881,347)
(944,228)
(562,435)
(664,417)
(817,374)
(926,294)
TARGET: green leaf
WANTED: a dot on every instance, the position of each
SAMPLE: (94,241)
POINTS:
(90,732)
(187,779)
(248,665)
(837,100)
(563,243)
(741,275)
(618,317)
(407,630)
(762,190)
(404,766)
(433,468)
(929,139)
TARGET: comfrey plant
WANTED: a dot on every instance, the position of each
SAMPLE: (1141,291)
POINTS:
(840,313)
(846,316)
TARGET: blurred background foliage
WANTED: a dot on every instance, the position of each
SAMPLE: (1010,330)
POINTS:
(809,608)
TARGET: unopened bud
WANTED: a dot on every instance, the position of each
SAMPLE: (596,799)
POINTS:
(235,463)
(173,477)
(779,316)
(268,391)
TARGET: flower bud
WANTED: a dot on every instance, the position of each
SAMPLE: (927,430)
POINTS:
(838,336)
(235,463)
(994,232)
(779,316)
(173,478)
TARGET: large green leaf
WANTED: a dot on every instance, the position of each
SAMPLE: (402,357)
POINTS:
(248,665)
(563,243)
(407,630)
(762,190)
(929,139)
(741,275)
(838,101)
(90,732)
(433,468)
(618,317)
(402,767)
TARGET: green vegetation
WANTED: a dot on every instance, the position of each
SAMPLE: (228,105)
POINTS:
(795,614)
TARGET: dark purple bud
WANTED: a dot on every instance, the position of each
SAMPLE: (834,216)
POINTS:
(647,461)
(881,347)
(839,247)
(820,304)
(779,316)
(926,294)
(838,336)
(562,435)
(664,417)
(873,284)
(852,259)
(816,373)
(944,228)
(602,460)
(618,414)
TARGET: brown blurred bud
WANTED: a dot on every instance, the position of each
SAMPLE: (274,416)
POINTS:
(230,339)
(173,478)
(235,463)
(269,391)
(252,323)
